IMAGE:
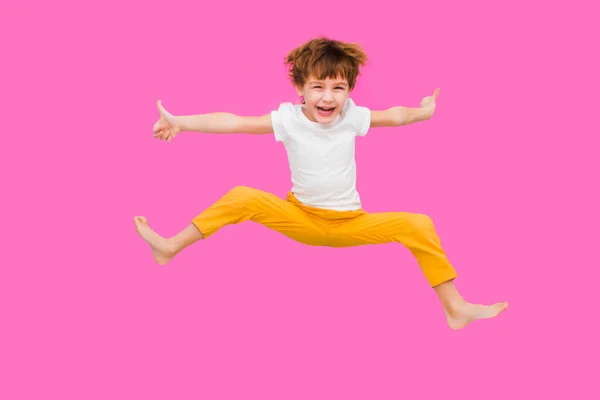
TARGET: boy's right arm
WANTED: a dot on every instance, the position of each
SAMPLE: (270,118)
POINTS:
(222,122)
(168,125)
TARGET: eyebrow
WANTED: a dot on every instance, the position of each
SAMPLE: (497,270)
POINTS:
(321,82)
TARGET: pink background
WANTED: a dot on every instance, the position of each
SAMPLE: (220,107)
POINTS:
(507,168)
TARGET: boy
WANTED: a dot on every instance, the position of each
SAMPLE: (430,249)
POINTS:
(323,207)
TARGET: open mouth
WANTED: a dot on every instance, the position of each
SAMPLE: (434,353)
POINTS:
(325,110)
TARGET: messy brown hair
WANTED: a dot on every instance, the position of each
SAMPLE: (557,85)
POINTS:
(325,58)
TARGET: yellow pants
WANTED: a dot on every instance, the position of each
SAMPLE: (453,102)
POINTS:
(320,227)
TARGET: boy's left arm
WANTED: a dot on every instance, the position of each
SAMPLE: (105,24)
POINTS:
(399,116)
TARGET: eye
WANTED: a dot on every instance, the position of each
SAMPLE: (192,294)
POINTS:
(316,87)
(339,87)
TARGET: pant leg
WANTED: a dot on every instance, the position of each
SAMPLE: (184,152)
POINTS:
(243,203)
(415,231)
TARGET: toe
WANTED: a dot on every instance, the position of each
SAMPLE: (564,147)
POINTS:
(501,306)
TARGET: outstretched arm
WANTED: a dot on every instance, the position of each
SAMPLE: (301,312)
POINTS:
(222,122)
(399,116)
(168,125)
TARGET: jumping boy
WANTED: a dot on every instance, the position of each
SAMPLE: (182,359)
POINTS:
(323,207)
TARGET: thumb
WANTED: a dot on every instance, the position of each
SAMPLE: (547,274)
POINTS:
(163,113)
(436,93)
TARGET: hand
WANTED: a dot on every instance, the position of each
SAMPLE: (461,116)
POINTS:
(428,103)
(166,128)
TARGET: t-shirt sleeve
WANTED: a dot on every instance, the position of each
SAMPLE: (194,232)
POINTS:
(279,119)
(364,120)
(361,116)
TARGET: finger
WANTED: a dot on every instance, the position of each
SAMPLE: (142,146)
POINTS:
(161,110)
(436,93)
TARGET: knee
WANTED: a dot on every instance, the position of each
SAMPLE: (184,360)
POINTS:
(421,223)
(243,193)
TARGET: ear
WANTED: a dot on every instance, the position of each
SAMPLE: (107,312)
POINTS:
(299,91)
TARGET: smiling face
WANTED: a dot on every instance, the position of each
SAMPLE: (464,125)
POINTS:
(324,72)
(324,98)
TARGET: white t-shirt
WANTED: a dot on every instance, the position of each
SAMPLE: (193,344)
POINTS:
(321,157)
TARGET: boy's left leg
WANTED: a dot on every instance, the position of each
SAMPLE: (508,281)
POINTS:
(417,233)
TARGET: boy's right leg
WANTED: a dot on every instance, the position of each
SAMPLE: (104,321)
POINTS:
(164,249)
(238,205)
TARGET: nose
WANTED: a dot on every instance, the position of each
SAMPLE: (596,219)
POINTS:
(327,96)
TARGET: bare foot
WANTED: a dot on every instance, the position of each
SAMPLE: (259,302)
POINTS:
(162,250)
(460,316)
